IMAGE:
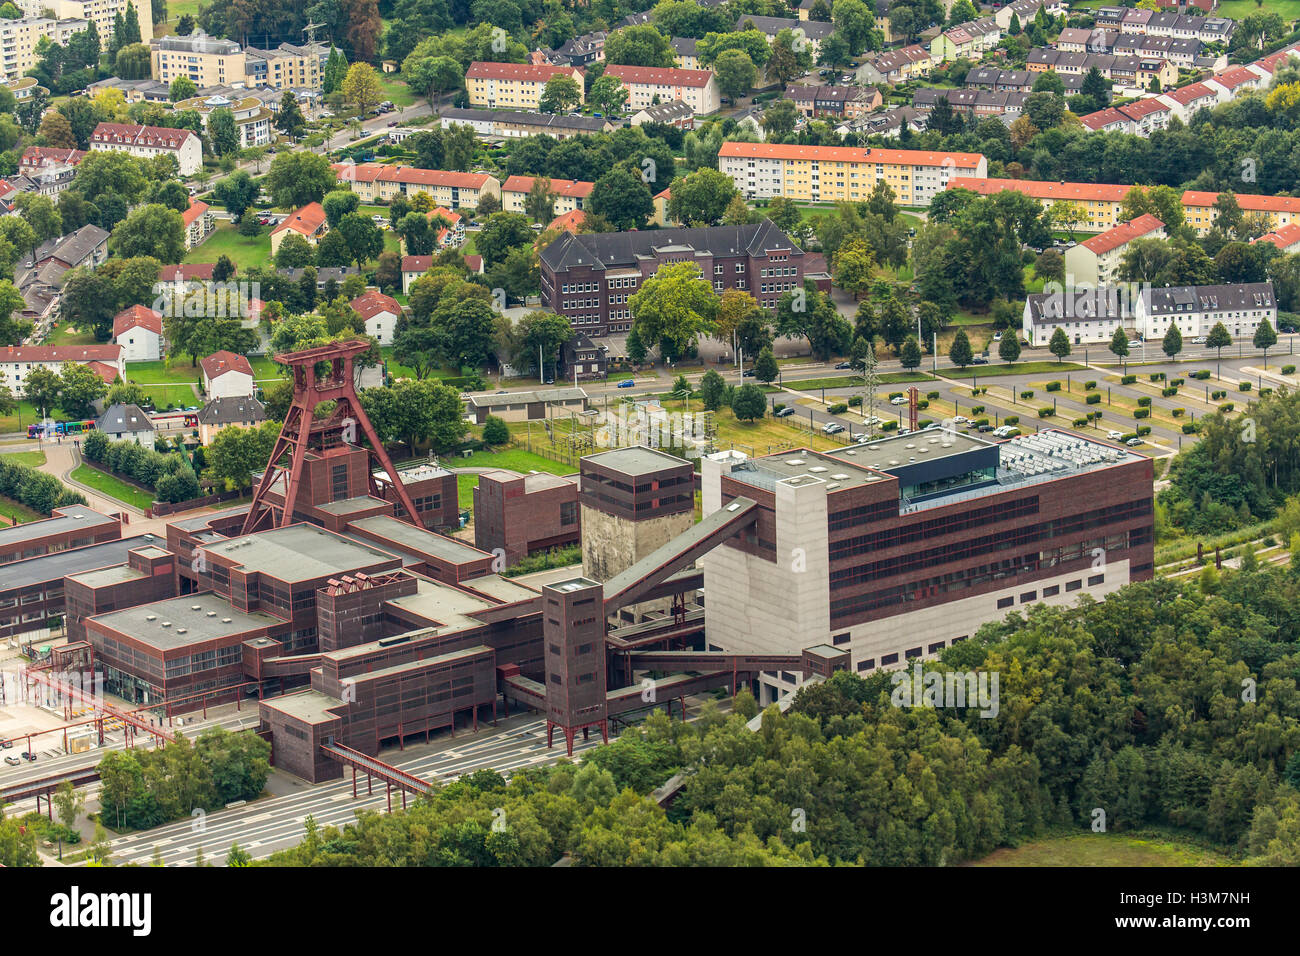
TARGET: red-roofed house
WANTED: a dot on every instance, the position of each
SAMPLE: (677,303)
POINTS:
(1286,238)
(452,235)
(188,272)
(696,88)
(516,86)
(147,142)
(44,159)
(661,217)
(412,268)
(105,371)
(1096,261)
(199,223)
(1274,211)
(380,313)
(308,222)
(17,360)
(474,264)
(571,221)
(1101,201)
(374,181)
(1187,100)
(139,330)
(226,375)
(569,194)
(1237,81)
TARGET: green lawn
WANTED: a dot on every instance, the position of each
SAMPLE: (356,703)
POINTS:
(67,335)
(16,512)
(167,387)
(113,487)
(1020,368)
(396,90)
(1106,849)
(513,459)
(243,251)
(1288,10)
(465,485)
(32,459)
(23,415)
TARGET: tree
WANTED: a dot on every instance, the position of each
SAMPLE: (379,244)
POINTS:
(41,388)
(1265,338)
(69,802)
(431,74)
(502,232)
(1218,339)
(182,88)
(911,354)
(495,431)
(641,45)
(57,131)
(712,389)
(337,204)
(295,252)
(132,62)
(1059,345)
(297,178)
(791,57)
(607,95)
(237,857)
(855,266)
(765,367)
(223,269)
(636,349)
(1173,341)
(1068,215)
(779,120)
(150,230)
(1050,266)
(79,389)
(127,393)
(223,132)
(622,198)
(672,308)
(749,402)
(701,197)
(539,204)
(361,87)
(1009,347)
(1119,345)
(960,352)
(560,95)
(735,73)
(289,119)
(237,192)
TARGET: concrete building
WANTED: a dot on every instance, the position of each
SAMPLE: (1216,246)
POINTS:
(590,277)
(1197,309)
(901,547)
(226,375)
(514,124)
(1101,201)
(649,86)
(139,332)
(516,515)
(1286,238)
(103,12)
(514,85)
(148,142)
(253,120)
(1089,316)
(569,194)
(240,411)
(527,406)
(377,181)
(17,360)
(676,113)
(19,40)
(127,423)
(1270,212)
(1096,260)
(841,173)
(69,527)
(199,222)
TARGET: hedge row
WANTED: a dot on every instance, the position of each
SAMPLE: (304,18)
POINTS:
(169,475)
(35,489)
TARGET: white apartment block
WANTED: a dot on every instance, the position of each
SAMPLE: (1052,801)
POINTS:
(1197,309)
(101,11)
(19,39)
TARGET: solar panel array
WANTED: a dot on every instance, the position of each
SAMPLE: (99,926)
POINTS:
(1054,452)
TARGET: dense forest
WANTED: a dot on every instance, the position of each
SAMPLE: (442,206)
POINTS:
(1171,704)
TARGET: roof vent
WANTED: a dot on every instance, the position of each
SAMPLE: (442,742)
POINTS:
(166,623)
(180,630)
(225,620)
(151,617)
(212,614)
(196,607)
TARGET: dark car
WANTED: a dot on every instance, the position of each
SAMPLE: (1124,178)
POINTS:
(394,123)
(1288,329)
(785,412)
(747,373)
(28,755)
(844,365)
(986,428)
(6,744)
(979,360)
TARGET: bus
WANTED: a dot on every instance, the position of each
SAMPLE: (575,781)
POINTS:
(191,421)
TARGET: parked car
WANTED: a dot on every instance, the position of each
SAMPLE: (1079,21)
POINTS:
(6,744)
(1114,435)
(1199,340)
(979,360)
(832,428)
(898,400)
(1288,329)
(747,373)
(862,439)
(997,336)
(12,761)
(871,420)
(986,428)
(959,419)
(785,412)
(28,755)
(394,122)
(626,383)
(844,365)
(1133,442)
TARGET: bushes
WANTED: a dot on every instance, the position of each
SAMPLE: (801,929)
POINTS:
(169,475)
(1128,379)
(1227,407)
(1053,386)
(839,408)
(495,431)
(1176,382)
(1189,428)
(1179,412)
(780,405)
(1221,393)
(1081,423)
(1288,369)
(977,410)
(1202,375)
(888,426)
(1027,394)
(1141,412)
(1243,386)
(1266,390)
(923,403)
(35,489)
(1166,392)
(1144,401)
(932,395)
(855,401)
(1089,386)
(980,422)
(894,395)
(1143,431)
(1046,412)
(1157,376)
(1093,399)
(1011,420)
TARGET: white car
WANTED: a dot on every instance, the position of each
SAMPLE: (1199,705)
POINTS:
(959,419)
(1114,436)
(862,439)
(997,336)
(872,420)
(1133,442)
(898,400)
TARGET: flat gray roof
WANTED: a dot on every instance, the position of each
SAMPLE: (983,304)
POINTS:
(199,522)
(300,552)
(76,517)
(310,706)
(189,619)
(636,460)
(404,534)
(345,506)
(52,567)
